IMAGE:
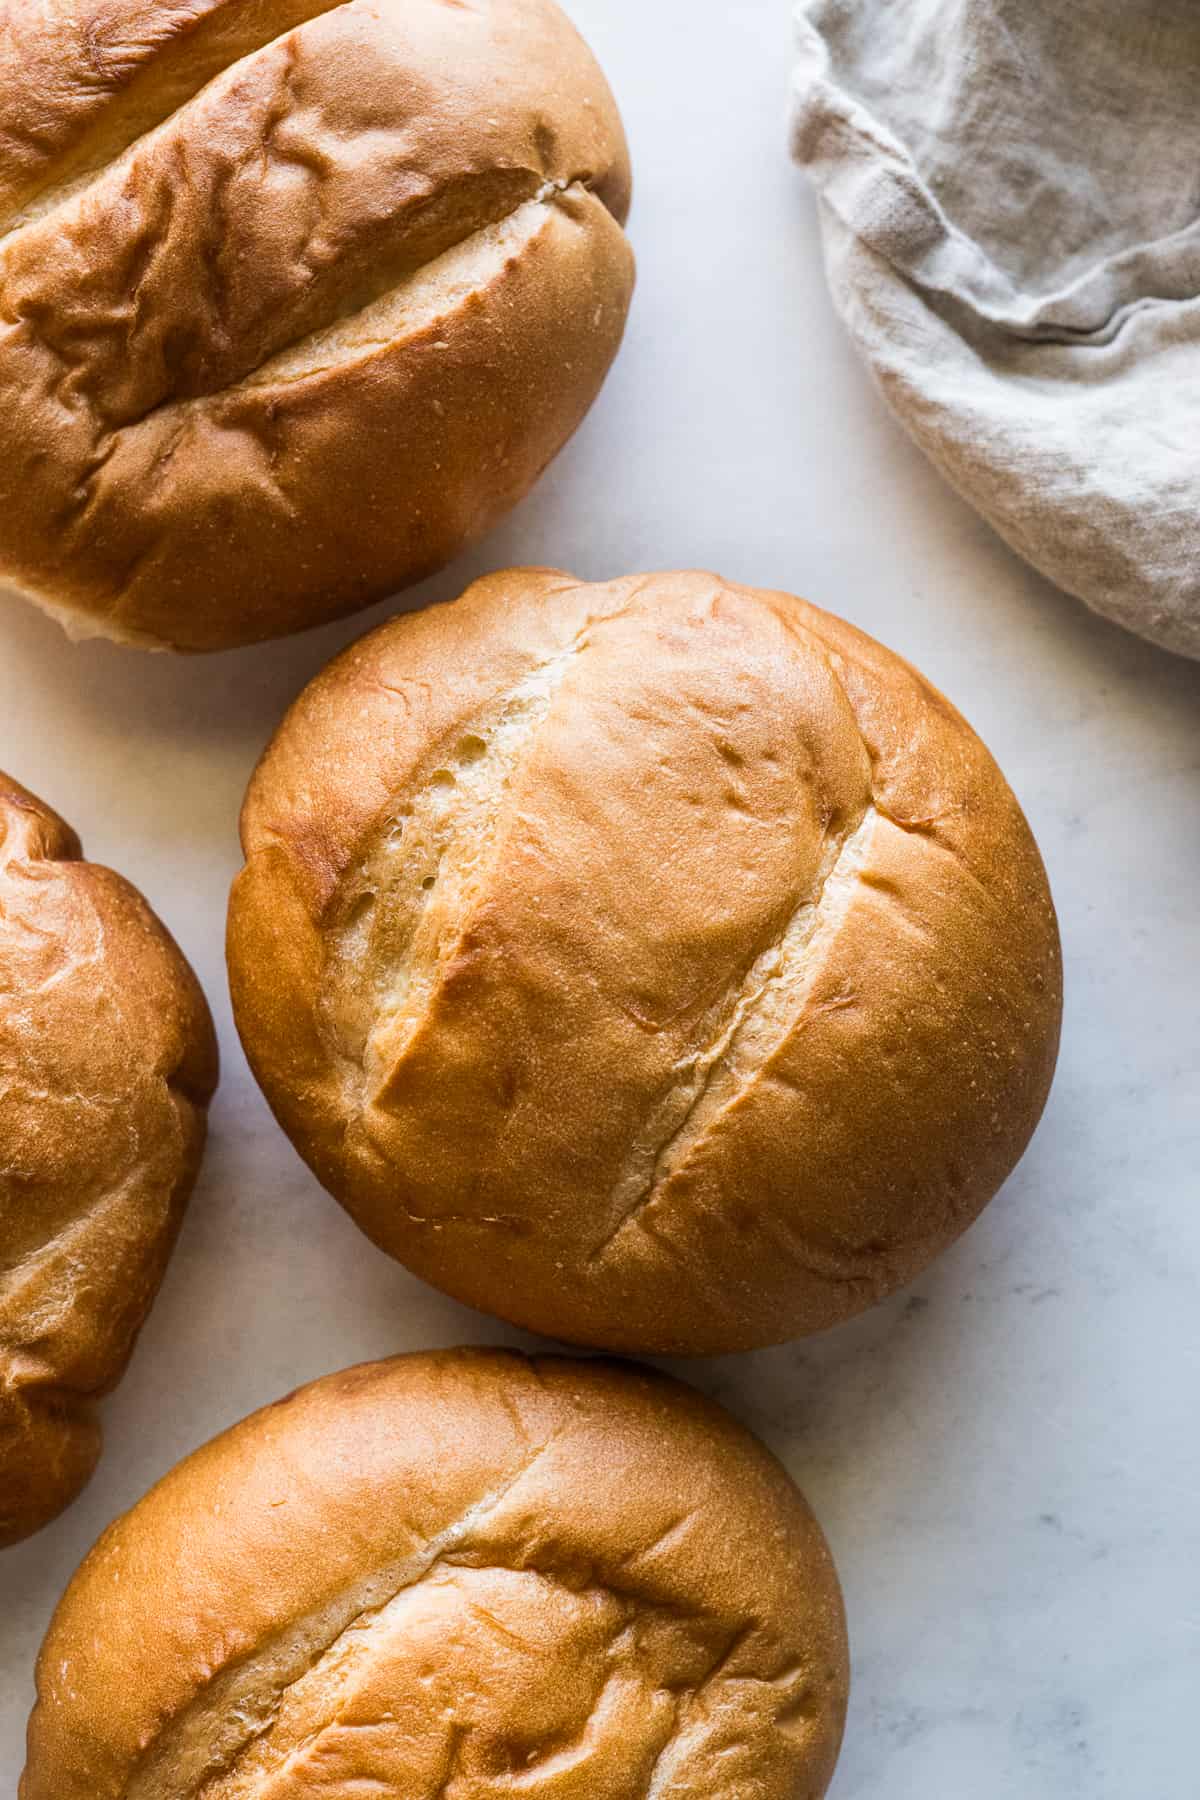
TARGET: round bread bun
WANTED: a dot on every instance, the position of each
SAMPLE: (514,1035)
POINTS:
(107,1064)
(465,1575)
(296,297)
(662,966)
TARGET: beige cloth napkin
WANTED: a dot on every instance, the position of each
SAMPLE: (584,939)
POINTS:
(1010,202)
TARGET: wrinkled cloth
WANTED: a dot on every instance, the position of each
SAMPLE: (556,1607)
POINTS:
(1010,205)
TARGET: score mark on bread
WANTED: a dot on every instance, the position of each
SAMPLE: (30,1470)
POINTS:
(294,299)
(462,1573)
(661,965)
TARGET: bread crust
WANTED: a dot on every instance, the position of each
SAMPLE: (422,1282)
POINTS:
(295,298)
(461,1573)
(661,965)
(107,1064)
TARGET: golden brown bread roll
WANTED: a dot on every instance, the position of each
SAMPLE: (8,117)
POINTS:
(460,1575)
(661,965)
(107,1064)
(296,297)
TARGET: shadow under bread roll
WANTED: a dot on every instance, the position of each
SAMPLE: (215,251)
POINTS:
(462,1574)
(661,965)
(296,297)
(107,1064)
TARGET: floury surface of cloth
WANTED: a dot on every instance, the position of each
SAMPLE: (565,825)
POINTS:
(1010,201)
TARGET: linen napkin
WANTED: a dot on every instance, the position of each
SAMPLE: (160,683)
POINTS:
(1010,206)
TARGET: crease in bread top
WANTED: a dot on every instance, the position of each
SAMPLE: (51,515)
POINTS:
(408,913)
(81,88)
(125,380)
(397,308)
(650,1669)
(459,1573)
(223,1744)
(406,305)
(97,78)
(260,212)
(768,1007)
(405,914)
(417,311)
(205,204)
(760,1013)
(692,1002)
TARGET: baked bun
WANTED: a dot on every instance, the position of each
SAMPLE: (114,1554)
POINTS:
(107,1063)
(296,297)
(463,1574)
(661,965)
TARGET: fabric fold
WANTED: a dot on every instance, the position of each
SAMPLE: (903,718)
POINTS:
(1009,206)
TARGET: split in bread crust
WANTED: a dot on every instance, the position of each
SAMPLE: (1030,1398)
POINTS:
(295,298)
(461,1574)
(661,965)
(107,1063)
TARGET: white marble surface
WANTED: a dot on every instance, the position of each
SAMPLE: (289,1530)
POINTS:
(1006,1458)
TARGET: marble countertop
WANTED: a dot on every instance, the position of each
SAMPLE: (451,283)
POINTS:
(1005,1457)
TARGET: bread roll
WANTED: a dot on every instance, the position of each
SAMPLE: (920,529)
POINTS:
(462,1575)
(107,1063)
(660,965)
(296,297)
